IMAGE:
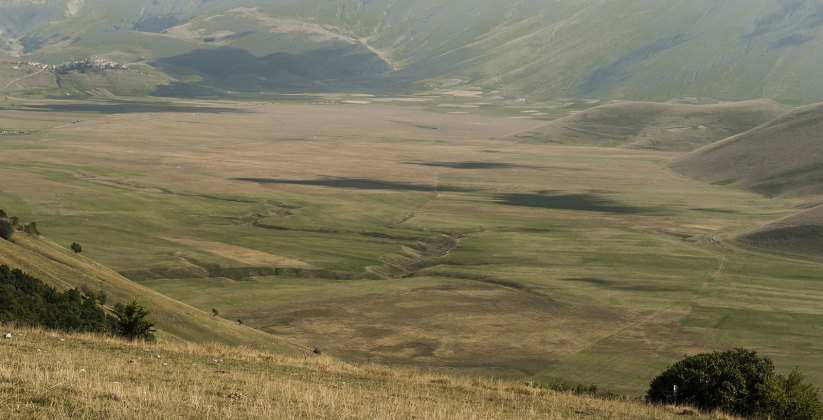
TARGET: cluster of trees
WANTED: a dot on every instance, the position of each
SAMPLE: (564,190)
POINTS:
(736,381)
(26,300)
(8,224)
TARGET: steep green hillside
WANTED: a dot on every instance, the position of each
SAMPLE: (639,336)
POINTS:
(60,267)
(780,158)
(655,125)
(535,49)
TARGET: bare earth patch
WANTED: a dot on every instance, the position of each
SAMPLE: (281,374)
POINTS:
(27,182)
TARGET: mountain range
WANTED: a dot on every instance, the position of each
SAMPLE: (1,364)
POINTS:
(654,50)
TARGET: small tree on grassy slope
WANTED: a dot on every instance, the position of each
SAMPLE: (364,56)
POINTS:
(132,322)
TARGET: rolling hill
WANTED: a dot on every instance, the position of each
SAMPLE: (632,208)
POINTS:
(779,158)
(533,49)
(175,321)
(800,234)
(646,125)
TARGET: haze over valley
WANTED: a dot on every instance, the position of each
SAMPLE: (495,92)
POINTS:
(447,199)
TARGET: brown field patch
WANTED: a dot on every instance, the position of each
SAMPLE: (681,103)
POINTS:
(12,181)
(659,335)
(237,253)
(459,325)
(206,151)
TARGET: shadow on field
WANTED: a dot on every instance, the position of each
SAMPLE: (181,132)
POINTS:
(357,183)
(470,165)
(616,285)
(553,200)
(126,107)
(707,210)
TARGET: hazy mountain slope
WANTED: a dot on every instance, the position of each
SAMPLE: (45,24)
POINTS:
(61,268)
(655,125)
(782,157)
(617,49)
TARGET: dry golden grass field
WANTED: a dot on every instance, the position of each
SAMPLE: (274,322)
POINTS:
(46,375)
(387,234)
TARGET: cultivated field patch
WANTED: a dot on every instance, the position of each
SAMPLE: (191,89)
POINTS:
(244,255)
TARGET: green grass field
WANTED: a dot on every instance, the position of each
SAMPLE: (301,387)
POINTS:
(440,248)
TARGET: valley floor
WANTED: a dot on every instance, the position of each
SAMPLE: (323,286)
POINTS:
(390,235)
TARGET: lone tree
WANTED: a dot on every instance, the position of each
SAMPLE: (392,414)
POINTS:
(737,381)
(214,312)
(76,248)
(132,322)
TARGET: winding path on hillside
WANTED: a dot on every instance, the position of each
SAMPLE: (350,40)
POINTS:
(21,78)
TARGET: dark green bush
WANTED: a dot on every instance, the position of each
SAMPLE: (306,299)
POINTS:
(131,321)
(737,381)
(6,228)
(31,229)
(76,248)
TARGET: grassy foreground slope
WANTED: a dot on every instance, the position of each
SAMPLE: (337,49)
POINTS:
(781,158)
(52,375)
(659,126)
(60,267)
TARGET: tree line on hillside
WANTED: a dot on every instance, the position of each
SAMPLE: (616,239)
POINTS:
(26,300)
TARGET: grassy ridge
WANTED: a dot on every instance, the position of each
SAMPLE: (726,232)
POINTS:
(654,125)
(53,375)
(799,234)
(39,257)
(781,158)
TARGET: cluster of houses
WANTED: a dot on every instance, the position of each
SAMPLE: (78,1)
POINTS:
(82,65)
(90,63)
